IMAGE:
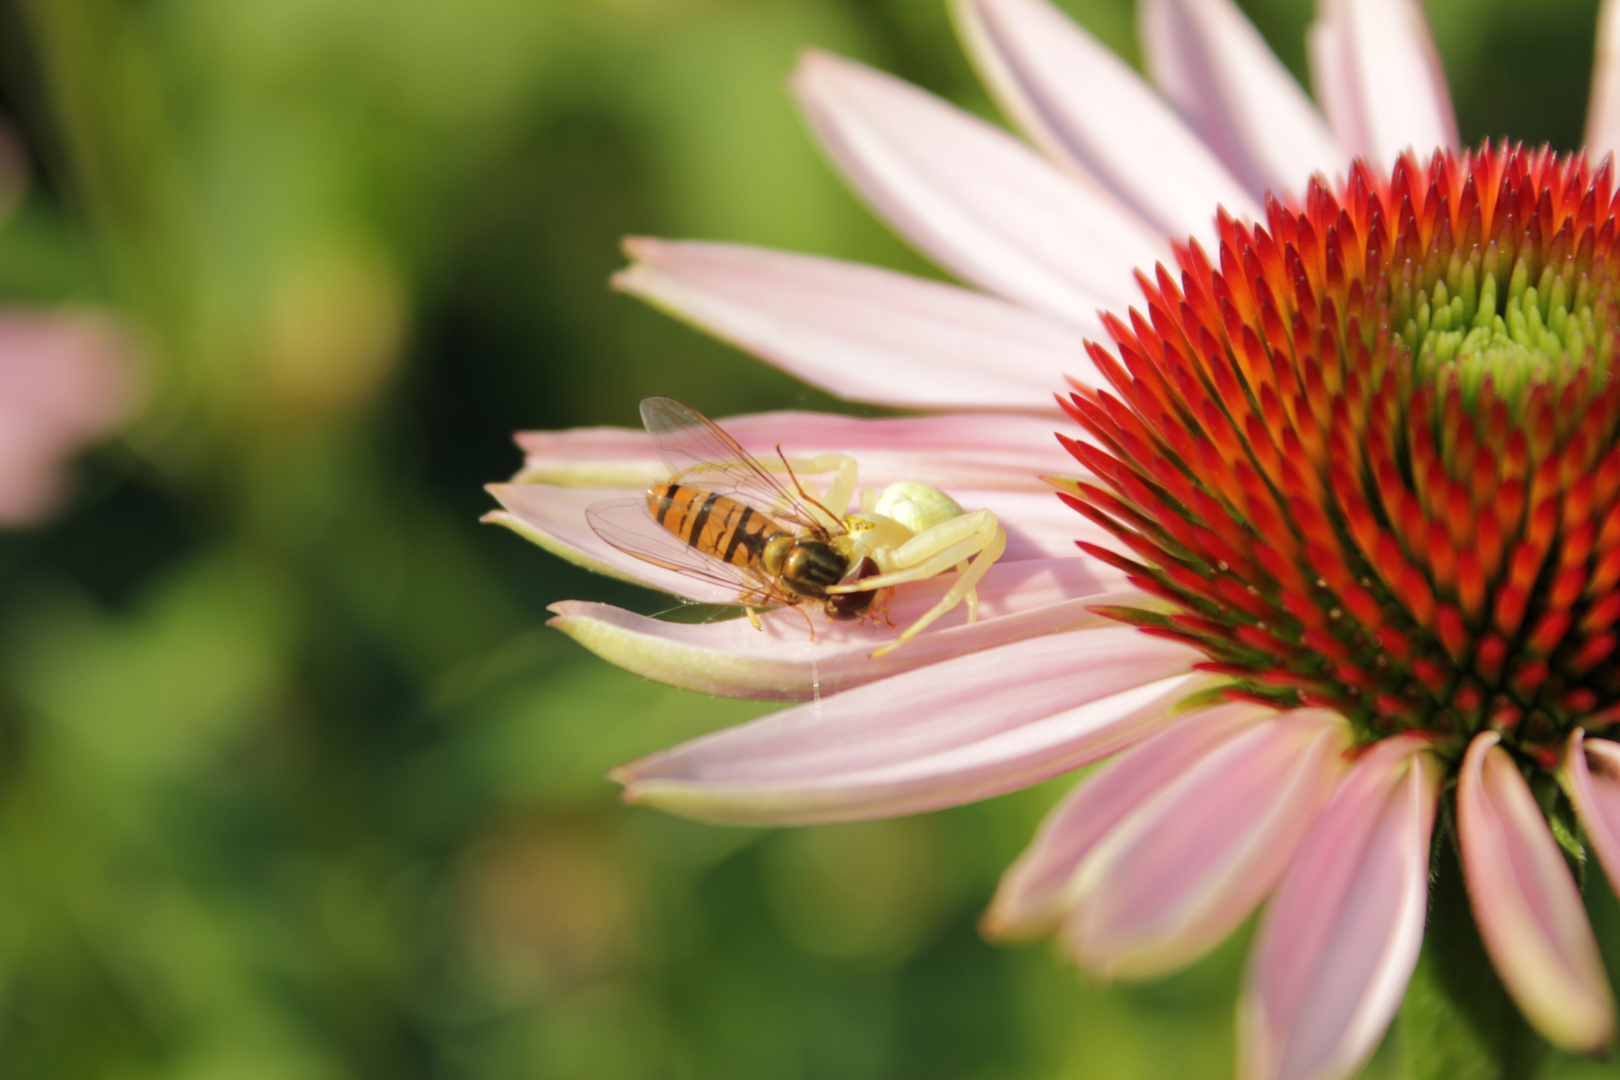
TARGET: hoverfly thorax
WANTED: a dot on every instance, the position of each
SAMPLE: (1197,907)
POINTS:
(810,567)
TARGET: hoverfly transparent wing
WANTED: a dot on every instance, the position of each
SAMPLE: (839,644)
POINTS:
(699,454)
(629,526)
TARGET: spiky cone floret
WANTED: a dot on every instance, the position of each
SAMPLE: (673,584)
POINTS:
(1370,450)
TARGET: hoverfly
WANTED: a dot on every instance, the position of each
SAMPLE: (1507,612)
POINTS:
(758,527)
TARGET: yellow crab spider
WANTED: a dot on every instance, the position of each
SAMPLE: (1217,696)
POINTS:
(911,532)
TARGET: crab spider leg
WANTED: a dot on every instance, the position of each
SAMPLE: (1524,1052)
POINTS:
(956,554)
(932,551)
(972,597)
(839,491)
(977,537)
(965,588)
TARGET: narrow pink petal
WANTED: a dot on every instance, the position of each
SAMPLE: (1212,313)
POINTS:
(1029,902)
(65,380)
(554,518)
(1527,904)
(1038,526)
(972,197)
(1173,879)
(1004,451)
(1334,86)
(782,662)
(954,732)
(863,333)
(1380,79)
(1593,769)
(1086,107)
(1603,111)
(1341,937)
(1219,73)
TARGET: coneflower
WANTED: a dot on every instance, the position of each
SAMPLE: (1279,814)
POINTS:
(1348,458)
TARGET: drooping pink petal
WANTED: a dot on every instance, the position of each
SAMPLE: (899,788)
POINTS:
(781,662)
(1086,107)
(1030,900)
(954,732)
(1173,879)
(1038,526)
(1379,78)
(65,380)
(1527,904)
(1341,937)
(864,333)
(1593,769)
(1603,110)
(554,518)
(1219,73)
(1003,451)
(972,197)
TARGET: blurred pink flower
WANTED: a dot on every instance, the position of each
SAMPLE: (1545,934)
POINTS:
(1333,631)
(66,380)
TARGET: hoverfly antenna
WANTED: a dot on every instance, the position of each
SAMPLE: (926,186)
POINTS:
(807,496)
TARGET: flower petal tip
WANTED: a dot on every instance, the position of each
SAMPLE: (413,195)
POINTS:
(1003,924)
(1527,904)
(639,247)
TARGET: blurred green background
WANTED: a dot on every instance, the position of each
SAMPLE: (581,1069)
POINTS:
(293,781)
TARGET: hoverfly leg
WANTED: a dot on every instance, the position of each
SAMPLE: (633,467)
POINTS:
(807,621)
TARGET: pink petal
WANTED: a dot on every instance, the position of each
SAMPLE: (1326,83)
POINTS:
(863,333)
(1593,769)
(1527,904)
(65,380)
(1341,937)
(1038,526)
(1029,903)
(965,729)
(1219,73)
(972,197)
(780,662)
(1334,87)
(1603,111)
(1085,106)
(994,451)
(1178,875)
(1379,79)
(554,518)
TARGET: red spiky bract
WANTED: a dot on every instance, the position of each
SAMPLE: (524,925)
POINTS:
(1345,513)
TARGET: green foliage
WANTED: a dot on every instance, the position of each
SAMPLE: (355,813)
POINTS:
(1457,1021)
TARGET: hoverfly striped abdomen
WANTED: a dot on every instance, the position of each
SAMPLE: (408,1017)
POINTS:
(711,523)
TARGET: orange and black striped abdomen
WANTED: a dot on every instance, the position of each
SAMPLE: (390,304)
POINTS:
(712,523)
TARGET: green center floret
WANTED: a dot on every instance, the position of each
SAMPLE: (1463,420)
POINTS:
(1481,324)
